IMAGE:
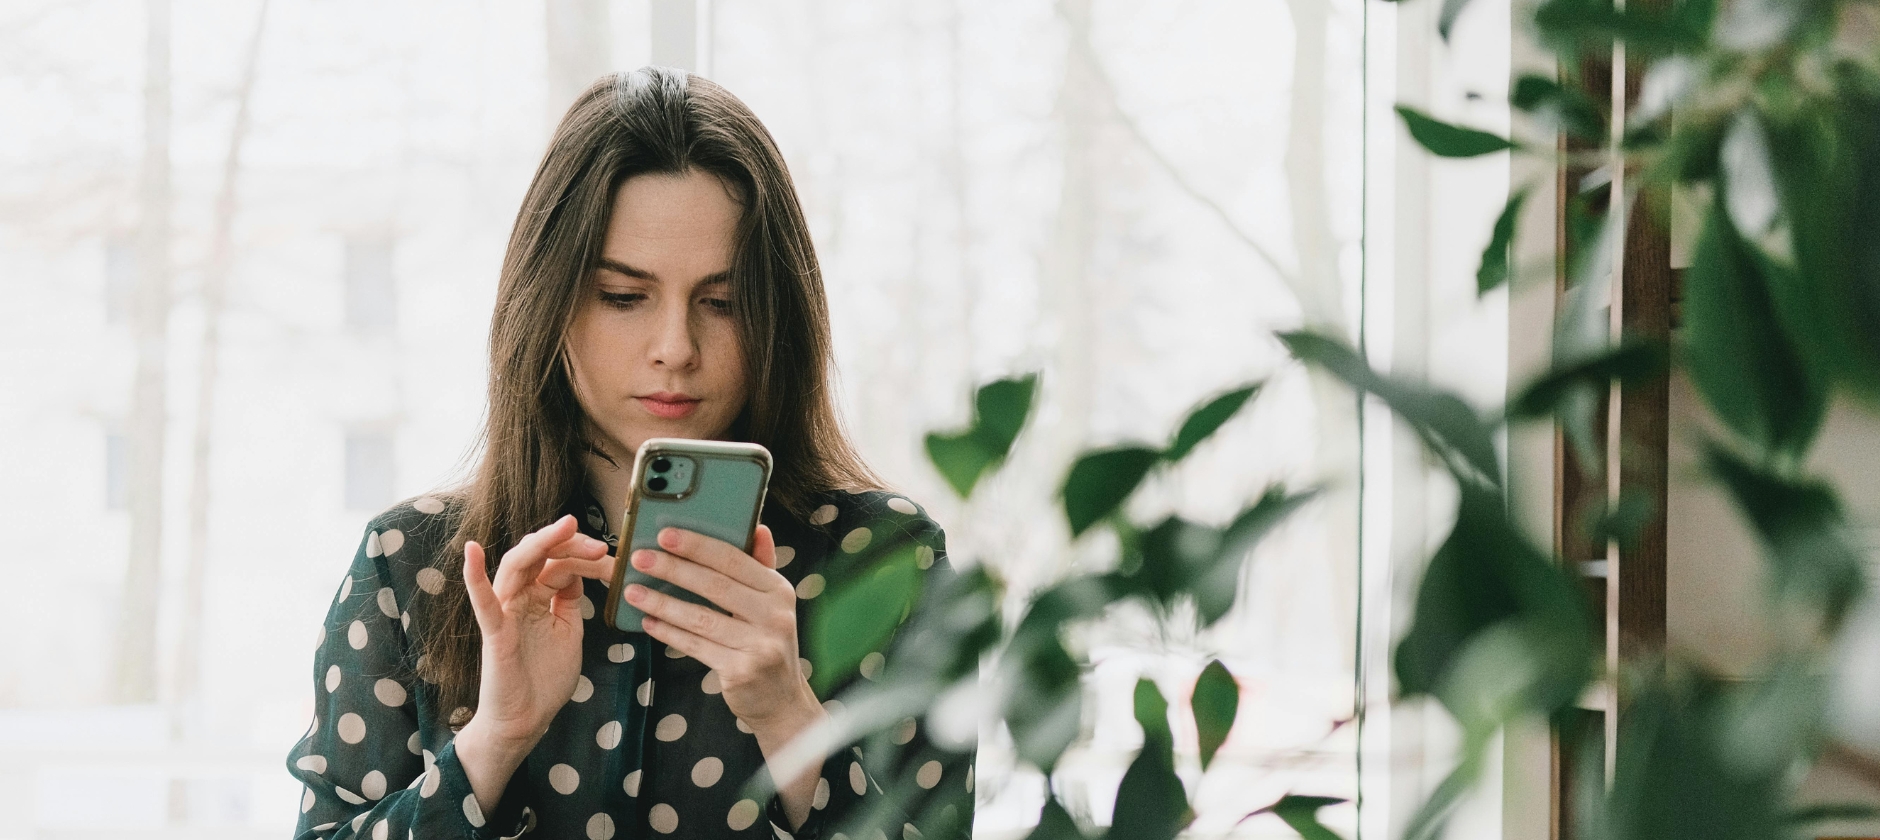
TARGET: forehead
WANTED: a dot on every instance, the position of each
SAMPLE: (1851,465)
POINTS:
(677,221)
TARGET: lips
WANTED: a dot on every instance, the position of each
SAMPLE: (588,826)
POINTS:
(668,406)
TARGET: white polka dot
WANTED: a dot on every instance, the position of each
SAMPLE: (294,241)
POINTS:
(414,745)
(822,795)
(806,667)
(622,652)
(928,775)
(583,689)
(345,588)
(742,815)
(382,830)
(900,505)
(745,727)
(314,763)
(904,732)
(811,587)
(674,653)
(356,635)
(423,667)
(389,692)
(458,717)
(306,801)
(711,684)
(405,621)
(707,772)
(663,818)
(392,541)
(564,779)
(923,557)
(785,554)
(587,608)
(352,728)
(644,694)
(631,784)
(332,678)
(872,664)
(857,779)
(360,820)
(374,547)
(670,728)
(388,602)
(319,639)
(431,779)
(373,785)
(969,779)
(428,504)
(609,735)
(600,827)
(833,707)
(909,832)
(857,540)
(823,515)
(350,797)
(431,580)
(471,812)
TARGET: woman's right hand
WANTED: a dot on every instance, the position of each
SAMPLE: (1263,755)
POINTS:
(530,616)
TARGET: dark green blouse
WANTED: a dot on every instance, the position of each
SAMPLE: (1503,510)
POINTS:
(646,747)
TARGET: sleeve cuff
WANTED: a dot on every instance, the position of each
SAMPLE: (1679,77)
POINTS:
(507,820)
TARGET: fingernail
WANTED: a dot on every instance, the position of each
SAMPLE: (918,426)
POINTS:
(669,537)
(635,592)
(643,559)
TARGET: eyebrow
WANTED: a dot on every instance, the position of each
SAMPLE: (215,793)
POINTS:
(619,267)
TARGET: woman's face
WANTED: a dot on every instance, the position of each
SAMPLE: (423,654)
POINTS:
(654,347)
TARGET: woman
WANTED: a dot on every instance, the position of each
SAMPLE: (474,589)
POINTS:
(659,282)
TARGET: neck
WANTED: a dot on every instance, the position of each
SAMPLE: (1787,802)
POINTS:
(610,485)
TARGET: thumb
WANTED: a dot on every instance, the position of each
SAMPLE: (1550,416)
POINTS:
(764,547)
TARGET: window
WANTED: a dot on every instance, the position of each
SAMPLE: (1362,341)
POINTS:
(117,471)
(368,470)
(371,302)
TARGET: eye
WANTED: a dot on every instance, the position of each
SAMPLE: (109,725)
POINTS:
(719,304)
(621,300)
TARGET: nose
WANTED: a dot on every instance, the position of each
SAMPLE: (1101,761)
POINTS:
(675,339)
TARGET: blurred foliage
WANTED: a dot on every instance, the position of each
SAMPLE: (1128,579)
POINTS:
(1777,136)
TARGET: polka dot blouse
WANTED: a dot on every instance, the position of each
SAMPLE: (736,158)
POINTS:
(645,748)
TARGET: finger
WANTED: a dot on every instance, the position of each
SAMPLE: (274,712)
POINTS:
(714,655)
(725,558)
(578,545)
(764,547)
(476,582)
(522,563)
(711,625)
(714,586)
(561,572)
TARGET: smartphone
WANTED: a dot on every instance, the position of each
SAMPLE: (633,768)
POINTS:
(711,487)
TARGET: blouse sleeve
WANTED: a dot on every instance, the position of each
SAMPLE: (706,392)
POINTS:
(933,785)
(364,762)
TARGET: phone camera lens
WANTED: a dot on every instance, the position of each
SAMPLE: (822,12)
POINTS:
(656,484)
(661,465)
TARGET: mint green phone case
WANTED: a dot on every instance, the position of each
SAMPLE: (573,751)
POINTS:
(723,500)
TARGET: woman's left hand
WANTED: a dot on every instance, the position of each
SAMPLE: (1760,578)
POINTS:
(754,648)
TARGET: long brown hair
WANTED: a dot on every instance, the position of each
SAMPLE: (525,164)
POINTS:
(652,120)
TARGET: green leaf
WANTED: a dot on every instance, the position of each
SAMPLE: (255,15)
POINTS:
(1498,628)
(1055,823)
(858,618)
(1446,20)
(1429,819)
(1738,354)
(1648,28)
(1044,706)
(1216,585)
(1631,362)
(1215,702)
(1495,257)
(1178,559)
(1150,802)
(1447,425)
(1204,421)
(1623,521)
(1445,140)
(1101,481)
(1675,774)
(1569,109)
(1812,555)
(1301,814)
(999,412)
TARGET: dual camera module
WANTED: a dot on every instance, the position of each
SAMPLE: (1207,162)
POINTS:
(670,475)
